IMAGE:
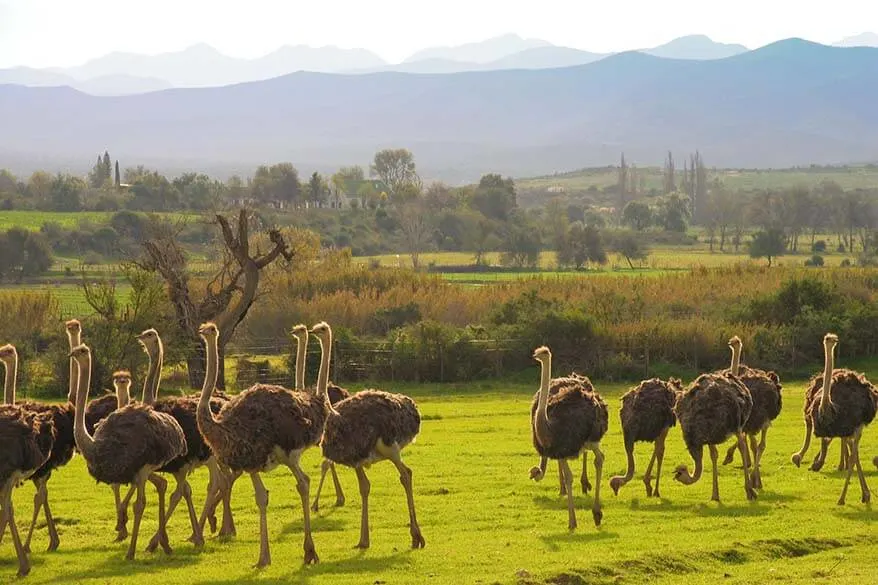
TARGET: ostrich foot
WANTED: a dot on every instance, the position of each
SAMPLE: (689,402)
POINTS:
(571,524)
(363,544)
(648,483)
(121,535)
(730,456)
(817,464)
(418,540)
(211,520)
(598,515)
(54,542)
(339,501)
(264,561)
(586,485)
(866,497)
(840,501)
(197,540)
(315,507)
(751,494)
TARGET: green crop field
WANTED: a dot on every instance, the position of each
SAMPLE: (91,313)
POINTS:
(33,220)
(737,179)
(485,522)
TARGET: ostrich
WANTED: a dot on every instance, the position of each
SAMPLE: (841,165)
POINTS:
(368,427)
(27,437)
(62,446)
(128,447)
(812,394)
(334,393)
(537,473)
(845,404)
(564,424)
(647,414)
(765,389)
(183,409)
(714,407)
(259,429)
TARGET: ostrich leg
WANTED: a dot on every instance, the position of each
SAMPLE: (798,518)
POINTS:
(122,513)
(303,485)
(583,480)
(730,454)
(139,507)
(797,456)
(596,512)
(647,475)
(856,455)
(184,491)
(745,457)
(820,458)
(365,487)
(845,454)
(9,517)
(405,478)
(850,469)
(568,483)
(562,490)
(339,493)
(755,476)
(161,487)
(660,455)
(713,457)
(262,504)
(325,467)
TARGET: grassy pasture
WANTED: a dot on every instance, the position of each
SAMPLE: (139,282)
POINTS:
(33,220)
(854,177)
(485,522)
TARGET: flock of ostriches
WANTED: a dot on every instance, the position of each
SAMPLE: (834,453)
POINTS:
(130,442)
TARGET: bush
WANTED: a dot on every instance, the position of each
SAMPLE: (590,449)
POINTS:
(814,260)
(819,247)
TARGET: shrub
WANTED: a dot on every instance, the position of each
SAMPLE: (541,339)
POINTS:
(814,260)
(819,247)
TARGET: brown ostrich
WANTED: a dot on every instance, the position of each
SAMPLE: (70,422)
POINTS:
(538,472)
(368,427)
(334,393)
(61,450)
(27,438)
(183,410)
(259,429)
(846,403)
(565,424)
(713,408)
(812,396)
(127,448)
(647,414)
(765,389)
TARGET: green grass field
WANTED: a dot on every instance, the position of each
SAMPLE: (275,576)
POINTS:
(485,522)
(33,220)
(854,177)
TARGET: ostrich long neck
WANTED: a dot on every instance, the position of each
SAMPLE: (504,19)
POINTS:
(122,395)
(541,422)
(84,441)
(204,416)
(825,398)
(73,339)
(301,350)
(9,383)
(736,360)
(323,374)
(154,373)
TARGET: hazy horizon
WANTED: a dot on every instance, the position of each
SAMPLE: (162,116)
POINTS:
(59,33)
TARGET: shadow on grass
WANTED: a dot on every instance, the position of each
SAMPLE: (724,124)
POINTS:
(772,496)
(115,565)
(585,533)
(737,509)
(655,505)
(319,523)
(358,562)
(862,513)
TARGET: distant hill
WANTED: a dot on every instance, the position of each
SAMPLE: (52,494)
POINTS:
(479,52)
(697,47)
(106,85)
(789,103)
(866,39)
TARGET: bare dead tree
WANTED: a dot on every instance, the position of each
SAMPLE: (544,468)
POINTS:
(229,294)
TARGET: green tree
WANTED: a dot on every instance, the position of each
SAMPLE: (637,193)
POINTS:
(277,184)
(396,169)
(582,244)
(316,189)
(23,254)
(117,179)
(629,246)
(495,197)
(65,193)
(521,244)
(768,244)
(674,212)
(638,215)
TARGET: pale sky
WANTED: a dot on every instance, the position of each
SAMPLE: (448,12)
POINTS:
(44,33)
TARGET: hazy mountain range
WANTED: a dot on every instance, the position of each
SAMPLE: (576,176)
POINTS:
(203,66)
(792,102)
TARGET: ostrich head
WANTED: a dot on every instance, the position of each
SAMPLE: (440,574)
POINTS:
(830,340)
(208,331)
(300,332)
(541,354)
(735,343)
(8,353)
(122,378)
(149,337)
(73,327)
(322,330)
